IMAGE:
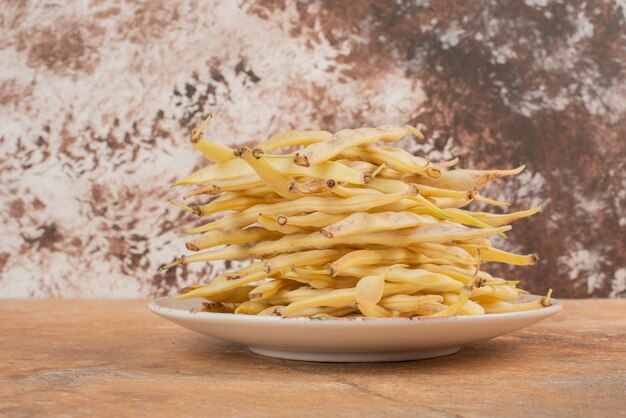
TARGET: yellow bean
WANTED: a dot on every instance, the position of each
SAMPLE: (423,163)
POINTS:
(408,303)
(291,138)
(363,222)
(270,223)
(242,183)
(468,308)
(455,254)
(227,170)
(348,138)
(274,179)
(211,150)
(269,289)
(229,202)
(467,179)
(313,219)
(218,237)
(500,219)
(493,254)
(396,158)
(251,307)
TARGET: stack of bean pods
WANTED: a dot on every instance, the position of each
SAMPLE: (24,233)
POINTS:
(347,225)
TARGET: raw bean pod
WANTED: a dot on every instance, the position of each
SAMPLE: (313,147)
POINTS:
(348,138)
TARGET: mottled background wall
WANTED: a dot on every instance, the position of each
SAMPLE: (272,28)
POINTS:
(97,99)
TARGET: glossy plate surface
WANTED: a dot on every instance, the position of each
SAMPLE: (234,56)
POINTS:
(348,340)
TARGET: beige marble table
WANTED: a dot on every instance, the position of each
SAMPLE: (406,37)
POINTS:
(115,358)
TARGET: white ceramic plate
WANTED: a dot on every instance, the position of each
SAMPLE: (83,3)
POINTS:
(348,340)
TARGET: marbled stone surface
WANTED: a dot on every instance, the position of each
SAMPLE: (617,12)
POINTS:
(97,99)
